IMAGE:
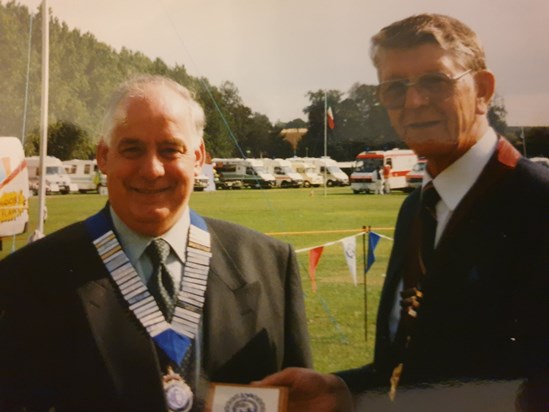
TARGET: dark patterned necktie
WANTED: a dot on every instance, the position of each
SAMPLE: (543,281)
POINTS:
(429,199)
(161,284)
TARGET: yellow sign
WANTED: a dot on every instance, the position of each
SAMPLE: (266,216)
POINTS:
(12,205)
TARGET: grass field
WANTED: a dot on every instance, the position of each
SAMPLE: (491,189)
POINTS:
(303,218)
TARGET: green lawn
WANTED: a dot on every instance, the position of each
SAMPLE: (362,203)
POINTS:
(336,311)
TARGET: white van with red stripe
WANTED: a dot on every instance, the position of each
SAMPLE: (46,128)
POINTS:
(396,164)
(14,188)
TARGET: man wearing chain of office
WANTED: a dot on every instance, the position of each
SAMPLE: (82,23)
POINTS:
(141,306)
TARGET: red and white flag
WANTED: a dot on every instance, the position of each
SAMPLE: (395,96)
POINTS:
(314,257)
(330,116)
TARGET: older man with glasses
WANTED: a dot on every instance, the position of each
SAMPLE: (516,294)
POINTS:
(466,296)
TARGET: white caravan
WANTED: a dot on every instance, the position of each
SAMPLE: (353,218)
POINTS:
(14,188)
(57,180)
(330,171)
(308,172)
(250,172)
(396,164)
(283,172)
(86,175)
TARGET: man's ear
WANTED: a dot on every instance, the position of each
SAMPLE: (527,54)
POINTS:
(101,153)
(485,89)
(199,158)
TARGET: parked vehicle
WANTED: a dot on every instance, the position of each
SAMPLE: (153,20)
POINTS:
(14,188)
(250,172)
(415,176)
(57,180)
(283,173)
(396,164)
(330,171)
(201,182)
(86,175)
(308,172)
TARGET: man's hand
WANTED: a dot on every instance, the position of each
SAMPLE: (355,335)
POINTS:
(310,391)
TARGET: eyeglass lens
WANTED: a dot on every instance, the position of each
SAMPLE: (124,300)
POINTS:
(434,86)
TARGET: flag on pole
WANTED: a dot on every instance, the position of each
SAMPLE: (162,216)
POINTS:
(314,257)
(330,116)
(373,239)
(349,250)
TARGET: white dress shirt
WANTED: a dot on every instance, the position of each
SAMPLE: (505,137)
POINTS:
(134,246)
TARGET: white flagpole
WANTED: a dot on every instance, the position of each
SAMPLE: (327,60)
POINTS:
(325,139)
(44,115)
(523,138)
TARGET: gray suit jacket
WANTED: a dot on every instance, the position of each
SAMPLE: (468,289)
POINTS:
(68,339)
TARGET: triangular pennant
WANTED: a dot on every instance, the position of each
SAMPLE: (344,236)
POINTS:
(314,257)
(349,250)
(373,239)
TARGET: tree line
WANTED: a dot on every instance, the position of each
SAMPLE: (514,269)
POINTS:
(84,72)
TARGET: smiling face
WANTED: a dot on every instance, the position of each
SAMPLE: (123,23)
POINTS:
(442,130)
(151,161)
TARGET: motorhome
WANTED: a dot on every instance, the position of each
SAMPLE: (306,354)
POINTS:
(414,177)
(86,175)
(308,172)
(284,174)
(251,172)
(56,180)
(396,163)
(14,188)
(330,171)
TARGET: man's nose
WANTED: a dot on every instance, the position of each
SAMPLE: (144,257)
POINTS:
(152,166)
(414,97)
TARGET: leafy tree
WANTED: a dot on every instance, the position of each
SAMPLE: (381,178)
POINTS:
(497,114)
(65,141)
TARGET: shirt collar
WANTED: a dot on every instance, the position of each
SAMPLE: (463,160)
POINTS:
(135,244)
(455,181)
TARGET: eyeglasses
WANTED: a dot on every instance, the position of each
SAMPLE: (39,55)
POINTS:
(432,86)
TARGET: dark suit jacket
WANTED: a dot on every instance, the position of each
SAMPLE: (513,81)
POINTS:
(485,311)
(67,337)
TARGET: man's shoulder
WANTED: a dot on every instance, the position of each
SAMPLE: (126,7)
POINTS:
(53,245)
(238,232)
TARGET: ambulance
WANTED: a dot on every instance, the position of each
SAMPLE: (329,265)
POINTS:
(396,164)
(14,188)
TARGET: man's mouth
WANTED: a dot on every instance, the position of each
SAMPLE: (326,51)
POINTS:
(149,191)
(422,125)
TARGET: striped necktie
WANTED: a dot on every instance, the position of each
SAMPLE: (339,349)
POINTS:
(161,284)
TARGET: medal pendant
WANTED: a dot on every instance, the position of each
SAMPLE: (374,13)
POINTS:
(179,396)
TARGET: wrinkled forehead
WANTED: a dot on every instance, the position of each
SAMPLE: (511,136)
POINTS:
(407,62)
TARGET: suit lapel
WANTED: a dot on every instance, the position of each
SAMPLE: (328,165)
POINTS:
(504,160)
(128,352)
(227,284)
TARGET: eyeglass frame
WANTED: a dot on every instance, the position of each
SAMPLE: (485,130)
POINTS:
(452,80)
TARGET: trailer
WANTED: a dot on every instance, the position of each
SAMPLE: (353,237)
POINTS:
(57,180)
(307,170)
(283,173)
(249,172)
(396,164)
(14,188)
(330,171)
(86,175)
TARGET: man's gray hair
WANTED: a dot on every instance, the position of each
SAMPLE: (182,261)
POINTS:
(137,87)
(447,32)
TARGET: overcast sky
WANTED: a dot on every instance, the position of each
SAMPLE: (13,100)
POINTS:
(275,51)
